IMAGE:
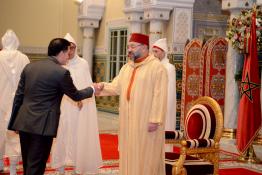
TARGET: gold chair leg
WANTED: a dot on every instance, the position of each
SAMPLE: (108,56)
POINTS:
(216,163)
(178,168)
(249,156)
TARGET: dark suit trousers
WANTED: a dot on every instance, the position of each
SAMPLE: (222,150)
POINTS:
(35,152)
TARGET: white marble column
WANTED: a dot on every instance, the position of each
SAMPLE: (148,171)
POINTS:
(90,13)
(88,46)
(233,65)
(134,15)
(157,15)
(232,90)
(156,31)
(135,19)
(135,27)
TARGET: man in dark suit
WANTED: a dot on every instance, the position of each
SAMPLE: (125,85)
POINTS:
(36,106)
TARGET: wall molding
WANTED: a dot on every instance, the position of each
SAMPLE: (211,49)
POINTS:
(33,50)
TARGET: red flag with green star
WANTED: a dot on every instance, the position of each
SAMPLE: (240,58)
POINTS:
(249,112)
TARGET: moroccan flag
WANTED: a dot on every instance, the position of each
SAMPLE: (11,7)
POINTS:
(249,112)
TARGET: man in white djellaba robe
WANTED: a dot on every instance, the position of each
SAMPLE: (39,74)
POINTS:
(12,63)
(77,142)
(159,49)
(142,88)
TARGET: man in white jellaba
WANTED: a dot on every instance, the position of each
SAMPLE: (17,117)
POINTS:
(160,51)
(12,63)
(77,143)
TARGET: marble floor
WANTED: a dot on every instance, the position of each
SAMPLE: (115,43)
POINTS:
(107,122)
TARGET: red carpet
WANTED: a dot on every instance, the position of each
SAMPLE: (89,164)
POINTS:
(109,144)
(237,171)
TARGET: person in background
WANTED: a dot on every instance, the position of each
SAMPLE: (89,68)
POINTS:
(142,86)
(77,142)
(36,107)
(159,50)
(12,63)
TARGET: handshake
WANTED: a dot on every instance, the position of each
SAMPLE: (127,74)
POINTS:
(98,87)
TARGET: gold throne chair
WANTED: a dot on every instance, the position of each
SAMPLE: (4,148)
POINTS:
(199,142)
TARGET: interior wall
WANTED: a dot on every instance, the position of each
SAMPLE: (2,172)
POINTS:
(209,20)
(37,22)
(113,12)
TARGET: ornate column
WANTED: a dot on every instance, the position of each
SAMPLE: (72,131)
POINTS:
(134,15)
(90,13)
(157,14)
(234,64)
(135,19)
(183,26)
(158,11)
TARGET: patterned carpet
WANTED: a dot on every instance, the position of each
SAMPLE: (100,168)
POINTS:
(109,144)
(229,161)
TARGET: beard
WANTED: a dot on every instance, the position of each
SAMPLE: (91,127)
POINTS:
(134,55)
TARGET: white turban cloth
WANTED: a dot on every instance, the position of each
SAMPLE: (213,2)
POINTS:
(162,44)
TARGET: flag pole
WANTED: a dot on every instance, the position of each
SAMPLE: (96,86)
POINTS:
(249,155)
(249,115)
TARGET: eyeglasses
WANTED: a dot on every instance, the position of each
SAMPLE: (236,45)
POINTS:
(133,46)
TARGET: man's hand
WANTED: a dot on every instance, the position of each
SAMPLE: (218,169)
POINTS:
(152,127)
(98,87)
(79,105)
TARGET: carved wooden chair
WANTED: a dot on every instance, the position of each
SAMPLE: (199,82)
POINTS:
(199,142)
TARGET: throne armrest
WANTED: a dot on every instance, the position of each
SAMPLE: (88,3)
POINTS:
(174,135)
(199,143)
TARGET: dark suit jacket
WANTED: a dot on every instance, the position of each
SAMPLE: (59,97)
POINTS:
(36,106)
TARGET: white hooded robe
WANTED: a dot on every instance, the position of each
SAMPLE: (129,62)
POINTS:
(12,63)
(171,98)
(77,142)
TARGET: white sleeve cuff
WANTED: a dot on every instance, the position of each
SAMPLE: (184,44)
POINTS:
(94,90)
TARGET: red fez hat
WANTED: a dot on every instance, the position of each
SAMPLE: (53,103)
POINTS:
(139,38)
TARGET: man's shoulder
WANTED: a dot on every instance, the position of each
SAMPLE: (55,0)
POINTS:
(46,65)
(155,62)
(157,66)
(128,64)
